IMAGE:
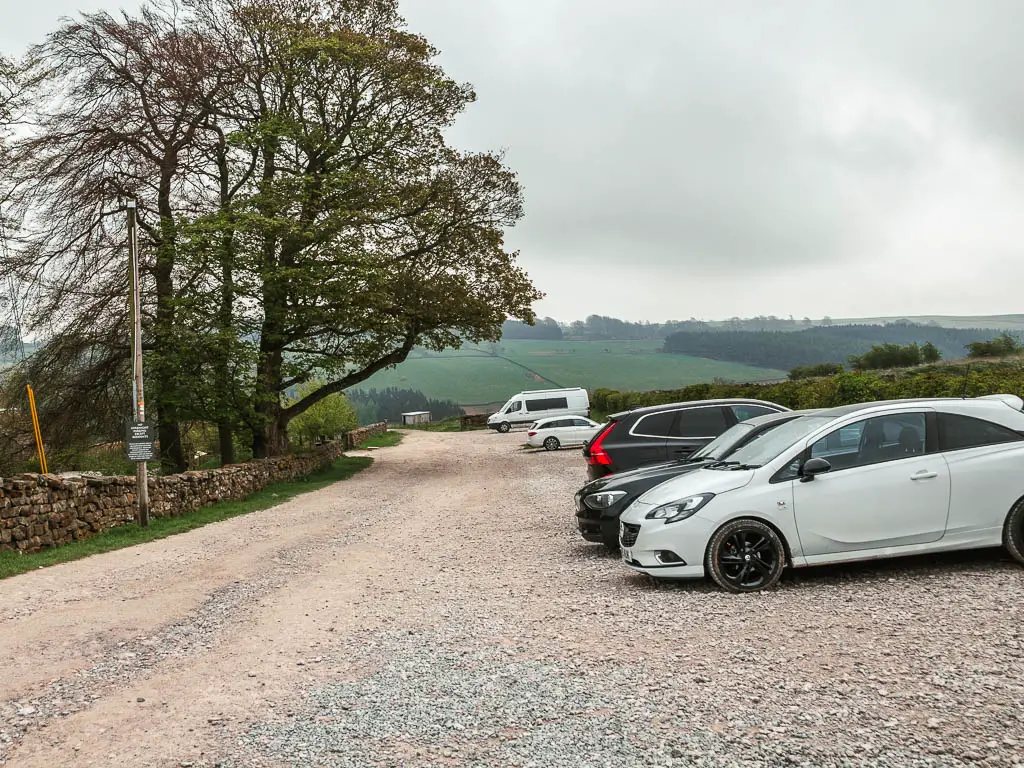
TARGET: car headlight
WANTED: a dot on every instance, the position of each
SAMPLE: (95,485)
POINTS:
(603,499)
(680,510)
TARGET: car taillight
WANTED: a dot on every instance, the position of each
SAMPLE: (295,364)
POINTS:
(530,434)
(598,455)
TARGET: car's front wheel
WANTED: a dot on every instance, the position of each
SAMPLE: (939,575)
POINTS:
(551,444)
(1013,532)
(745,556)
(504,427)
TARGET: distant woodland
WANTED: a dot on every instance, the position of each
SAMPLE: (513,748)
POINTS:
(767,341)
(821,344)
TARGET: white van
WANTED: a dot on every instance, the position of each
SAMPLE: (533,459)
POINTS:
(526,407)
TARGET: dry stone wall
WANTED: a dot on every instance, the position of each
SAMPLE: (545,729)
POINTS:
(41,511)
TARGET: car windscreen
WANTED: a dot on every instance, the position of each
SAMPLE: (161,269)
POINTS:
(724,443)
(770,445)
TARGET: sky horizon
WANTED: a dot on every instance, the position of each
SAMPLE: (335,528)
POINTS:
(843,158)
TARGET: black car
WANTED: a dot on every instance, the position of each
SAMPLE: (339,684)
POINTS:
(600,502)
(665,432)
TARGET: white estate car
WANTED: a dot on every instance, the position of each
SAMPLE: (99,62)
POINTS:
(554,432)
(857,482)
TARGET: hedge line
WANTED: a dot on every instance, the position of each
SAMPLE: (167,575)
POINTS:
(843,389)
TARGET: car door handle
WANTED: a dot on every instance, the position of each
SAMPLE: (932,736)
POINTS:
(924,475)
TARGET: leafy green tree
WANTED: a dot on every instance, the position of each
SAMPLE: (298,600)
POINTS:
(930,353)
(364,235)
(811,371)
(1003,345)
(389,404)
(330,417)
(887,356)
(302,218)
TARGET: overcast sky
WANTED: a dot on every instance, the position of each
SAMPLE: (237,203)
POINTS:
(709,159)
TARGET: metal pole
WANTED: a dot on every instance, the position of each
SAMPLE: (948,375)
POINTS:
(36,430)
(142,470)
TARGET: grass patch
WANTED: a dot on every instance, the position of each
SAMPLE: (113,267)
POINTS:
(387,440)
(13,563)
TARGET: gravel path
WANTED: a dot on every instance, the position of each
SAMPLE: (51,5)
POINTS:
(439,609)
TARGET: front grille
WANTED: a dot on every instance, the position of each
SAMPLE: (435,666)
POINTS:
(628,533)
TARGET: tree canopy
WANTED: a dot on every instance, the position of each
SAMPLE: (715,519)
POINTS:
(303,219)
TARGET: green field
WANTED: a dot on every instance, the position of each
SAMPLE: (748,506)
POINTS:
(1013,323)
(475,375)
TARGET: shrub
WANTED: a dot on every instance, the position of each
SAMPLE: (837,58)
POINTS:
(843,389)
(812,371)
(1002,345)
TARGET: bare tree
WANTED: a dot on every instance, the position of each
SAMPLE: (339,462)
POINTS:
(122,116)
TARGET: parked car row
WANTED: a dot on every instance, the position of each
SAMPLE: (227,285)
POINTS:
(753,488)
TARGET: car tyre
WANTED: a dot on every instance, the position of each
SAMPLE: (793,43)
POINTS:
(552,444)
(504,427)
(1013,532)
(745,556)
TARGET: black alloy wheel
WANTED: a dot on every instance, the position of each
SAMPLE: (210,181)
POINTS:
(504,427)
(745,556)
(551,444)
(1013,532)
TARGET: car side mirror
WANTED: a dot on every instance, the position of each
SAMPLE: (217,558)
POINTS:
(812,468)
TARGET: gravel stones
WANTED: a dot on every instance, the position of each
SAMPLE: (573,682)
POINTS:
(446,613)
(899,663)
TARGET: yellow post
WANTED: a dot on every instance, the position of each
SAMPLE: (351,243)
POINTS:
(35,428)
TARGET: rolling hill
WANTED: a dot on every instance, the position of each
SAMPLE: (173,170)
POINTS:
(479,375)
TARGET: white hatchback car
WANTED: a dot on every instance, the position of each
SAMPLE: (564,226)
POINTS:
(558,431)
(857,482)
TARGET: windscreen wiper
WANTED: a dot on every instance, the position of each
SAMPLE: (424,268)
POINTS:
(721,464)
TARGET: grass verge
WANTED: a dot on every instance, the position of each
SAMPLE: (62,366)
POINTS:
(448,425)
(13,563)
(388,440)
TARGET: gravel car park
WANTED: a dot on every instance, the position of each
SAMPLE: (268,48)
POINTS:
(441,609)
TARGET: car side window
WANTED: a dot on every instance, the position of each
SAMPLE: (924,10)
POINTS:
(581,422)
(516,406)
(745,411)
(957,433)
(701,422)
(655,424)
(873,441)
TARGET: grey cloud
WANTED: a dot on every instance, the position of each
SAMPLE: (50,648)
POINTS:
(795,156)
(749,147)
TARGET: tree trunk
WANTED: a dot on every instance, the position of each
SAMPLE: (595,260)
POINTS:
(225,315)
(173,455)
(272,438)
(166,377)
(226,436)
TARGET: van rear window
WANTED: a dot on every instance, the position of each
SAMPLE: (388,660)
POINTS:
(547,404)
